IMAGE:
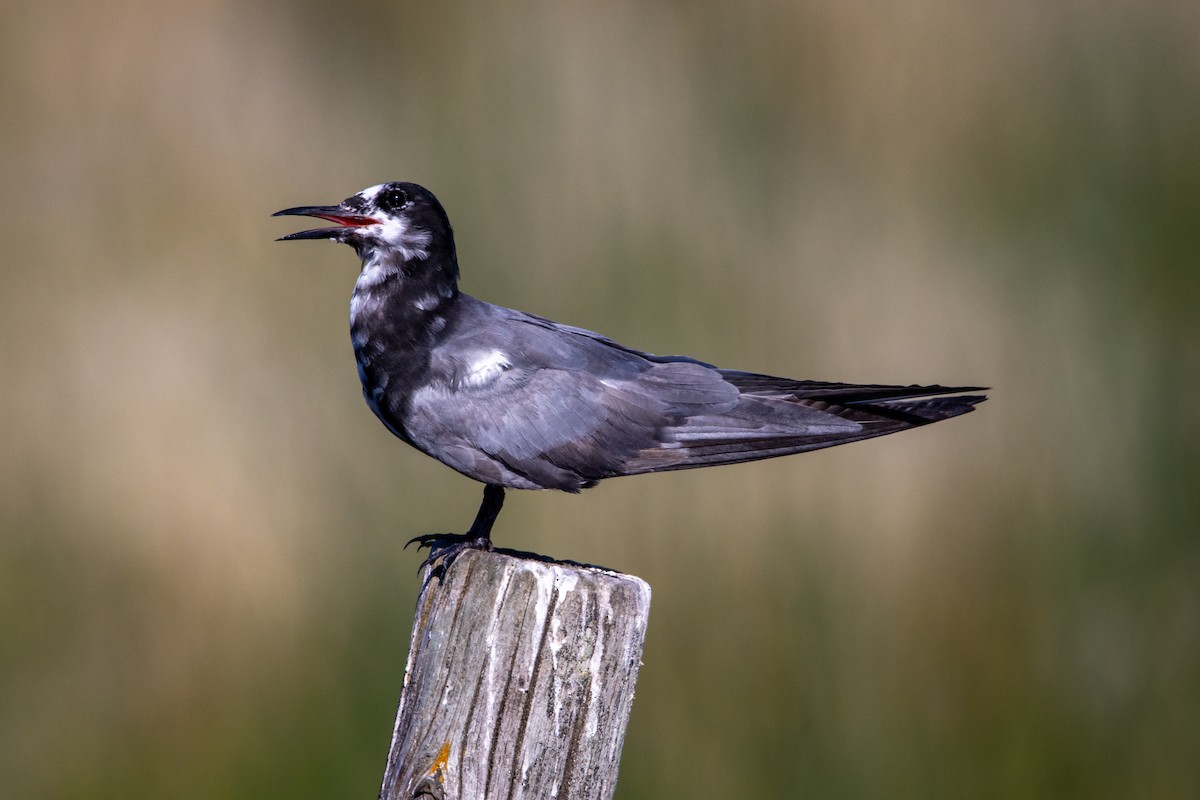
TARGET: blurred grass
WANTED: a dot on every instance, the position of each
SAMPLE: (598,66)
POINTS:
(201,582)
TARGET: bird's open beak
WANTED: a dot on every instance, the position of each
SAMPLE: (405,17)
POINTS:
(337,214)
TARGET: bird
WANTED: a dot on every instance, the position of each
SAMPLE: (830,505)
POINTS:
(518,401)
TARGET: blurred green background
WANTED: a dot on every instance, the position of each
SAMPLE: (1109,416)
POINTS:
(202,587)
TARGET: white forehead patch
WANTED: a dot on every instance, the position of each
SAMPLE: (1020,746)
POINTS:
(370,193)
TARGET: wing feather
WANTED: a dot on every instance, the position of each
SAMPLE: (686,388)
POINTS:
(571,407)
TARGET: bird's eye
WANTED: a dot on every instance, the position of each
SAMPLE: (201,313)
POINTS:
(393,199)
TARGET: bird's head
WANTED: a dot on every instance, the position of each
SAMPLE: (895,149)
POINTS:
(395,222)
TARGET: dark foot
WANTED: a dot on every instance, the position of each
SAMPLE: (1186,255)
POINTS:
(440,543)
(445,547)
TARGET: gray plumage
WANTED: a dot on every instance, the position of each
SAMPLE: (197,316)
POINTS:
(515,400)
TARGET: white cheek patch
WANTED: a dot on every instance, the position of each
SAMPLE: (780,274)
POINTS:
(395,234)
(485,369)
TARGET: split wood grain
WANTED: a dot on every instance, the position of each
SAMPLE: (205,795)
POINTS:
(519,682)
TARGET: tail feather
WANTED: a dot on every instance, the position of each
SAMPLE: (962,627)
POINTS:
(750,383)
(875,410)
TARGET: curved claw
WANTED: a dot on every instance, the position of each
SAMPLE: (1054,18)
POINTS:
(448,545)
(456,541)
(445,547)
(425,540)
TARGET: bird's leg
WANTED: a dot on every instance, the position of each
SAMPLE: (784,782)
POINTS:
(479,537)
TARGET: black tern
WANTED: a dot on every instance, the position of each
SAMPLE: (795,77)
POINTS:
(517,401)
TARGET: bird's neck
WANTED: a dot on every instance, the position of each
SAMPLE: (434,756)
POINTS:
(406,300)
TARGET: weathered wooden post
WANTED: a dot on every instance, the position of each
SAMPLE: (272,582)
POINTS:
(519,681)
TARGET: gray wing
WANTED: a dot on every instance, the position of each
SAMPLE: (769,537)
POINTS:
(526,403)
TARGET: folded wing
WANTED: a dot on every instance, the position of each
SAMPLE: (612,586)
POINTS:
(563,408)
